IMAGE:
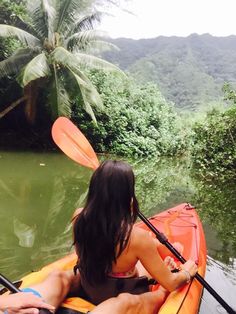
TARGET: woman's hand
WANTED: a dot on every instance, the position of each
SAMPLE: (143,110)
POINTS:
(23,303)
(170,263)
(189,267)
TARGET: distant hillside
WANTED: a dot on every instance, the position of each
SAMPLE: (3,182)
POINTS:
(190,71)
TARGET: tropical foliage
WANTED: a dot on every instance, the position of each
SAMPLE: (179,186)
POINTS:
(136,120)
(214,150)
(230,93)
(56,42)
(8,11)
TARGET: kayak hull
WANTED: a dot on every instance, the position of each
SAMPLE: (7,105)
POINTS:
(179,224)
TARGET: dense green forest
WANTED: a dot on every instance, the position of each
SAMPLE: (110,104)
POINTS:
(190,71)
(135,121)
(175,97)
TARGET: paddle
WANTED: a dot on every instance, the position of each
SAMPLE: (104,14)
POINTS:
(75,145)
(12,288)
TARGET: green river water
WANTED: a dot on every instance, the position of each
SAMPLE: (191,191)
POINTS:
(39,192)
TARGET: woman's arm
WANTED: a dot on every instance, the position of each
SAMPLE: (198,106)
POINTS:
(163,250)
(147,253)
(22,302)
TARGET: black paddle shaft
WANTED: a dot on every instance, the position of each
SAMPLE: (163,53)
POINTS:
(12,288)
(163,239)
(8,284)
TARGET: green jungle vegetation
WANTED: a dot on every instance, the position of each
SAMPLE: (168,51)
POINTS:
(174,97)
(136,121)
(190,71)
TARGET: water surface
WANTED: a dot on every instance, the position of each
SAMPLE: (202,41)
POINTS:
(39,193)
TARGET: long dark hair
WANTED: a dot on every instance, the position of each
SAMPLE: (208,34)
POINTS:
(102,229)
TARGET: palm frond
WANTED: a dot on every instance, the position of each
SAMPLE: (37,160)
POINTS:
(87,107)
(97,47)
(67,13)
(86,95)
(16,62)
(59,99)
(92,95)
(18,22)
(36,68)
(43,17)
(63,57)
(86,22)
(89,94)
(68,60)
(25,37)
(95,62)
(82,39)
(49,13)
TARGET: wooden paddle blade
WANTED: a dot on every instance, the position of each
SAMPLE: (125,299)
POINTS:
(73,143)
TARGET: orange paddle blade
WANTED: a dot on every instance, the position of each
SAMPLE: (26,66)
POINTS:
(73,143)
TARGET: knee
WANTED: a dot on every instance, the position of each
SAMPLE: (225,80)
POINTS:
(60,277)
(123,297)
(130,300)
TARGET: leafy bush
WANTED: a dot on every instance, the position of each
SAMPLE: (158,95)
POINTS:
(214,150)
(8,11)
(136,120)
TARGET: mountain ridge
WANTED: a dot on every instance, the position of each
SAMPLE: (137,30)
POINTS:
(190,71)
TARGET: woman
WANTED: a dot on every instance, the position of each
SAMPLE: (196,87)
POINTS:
(110,247)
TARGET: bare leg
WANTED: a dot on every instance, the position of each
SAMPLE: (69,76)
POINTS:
(152,301)
(55,287)
(125,303)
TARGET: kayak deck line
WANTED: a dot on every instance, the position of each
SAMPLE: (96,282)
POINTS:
(182,218)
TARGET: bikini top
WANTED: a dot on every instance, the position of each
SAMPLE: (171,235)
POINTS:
(125,274)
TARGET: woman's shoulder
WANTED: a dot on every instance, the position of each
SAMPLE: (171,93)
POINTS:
(139,231)
(140,236)
(142,242)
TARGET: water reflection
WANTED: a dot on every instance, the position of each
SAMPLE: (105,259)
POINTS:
(36,205)
(218,272)
(39,192)
(218,203)
(162,183)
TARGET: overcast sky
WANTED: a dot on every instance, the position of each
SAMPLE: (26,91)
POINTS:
(152,18)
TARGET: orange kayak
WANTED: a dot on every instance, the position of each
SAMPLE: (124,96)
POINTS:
(179,224)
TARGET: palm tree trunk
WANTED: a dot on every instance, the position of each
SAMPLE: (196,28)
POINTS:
(12,106)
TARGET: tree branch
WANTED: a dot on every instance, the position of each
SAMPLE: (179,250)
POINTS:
(12,106)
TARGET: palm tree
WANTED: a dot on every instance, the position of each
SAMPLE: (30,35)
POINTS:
(57,46)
